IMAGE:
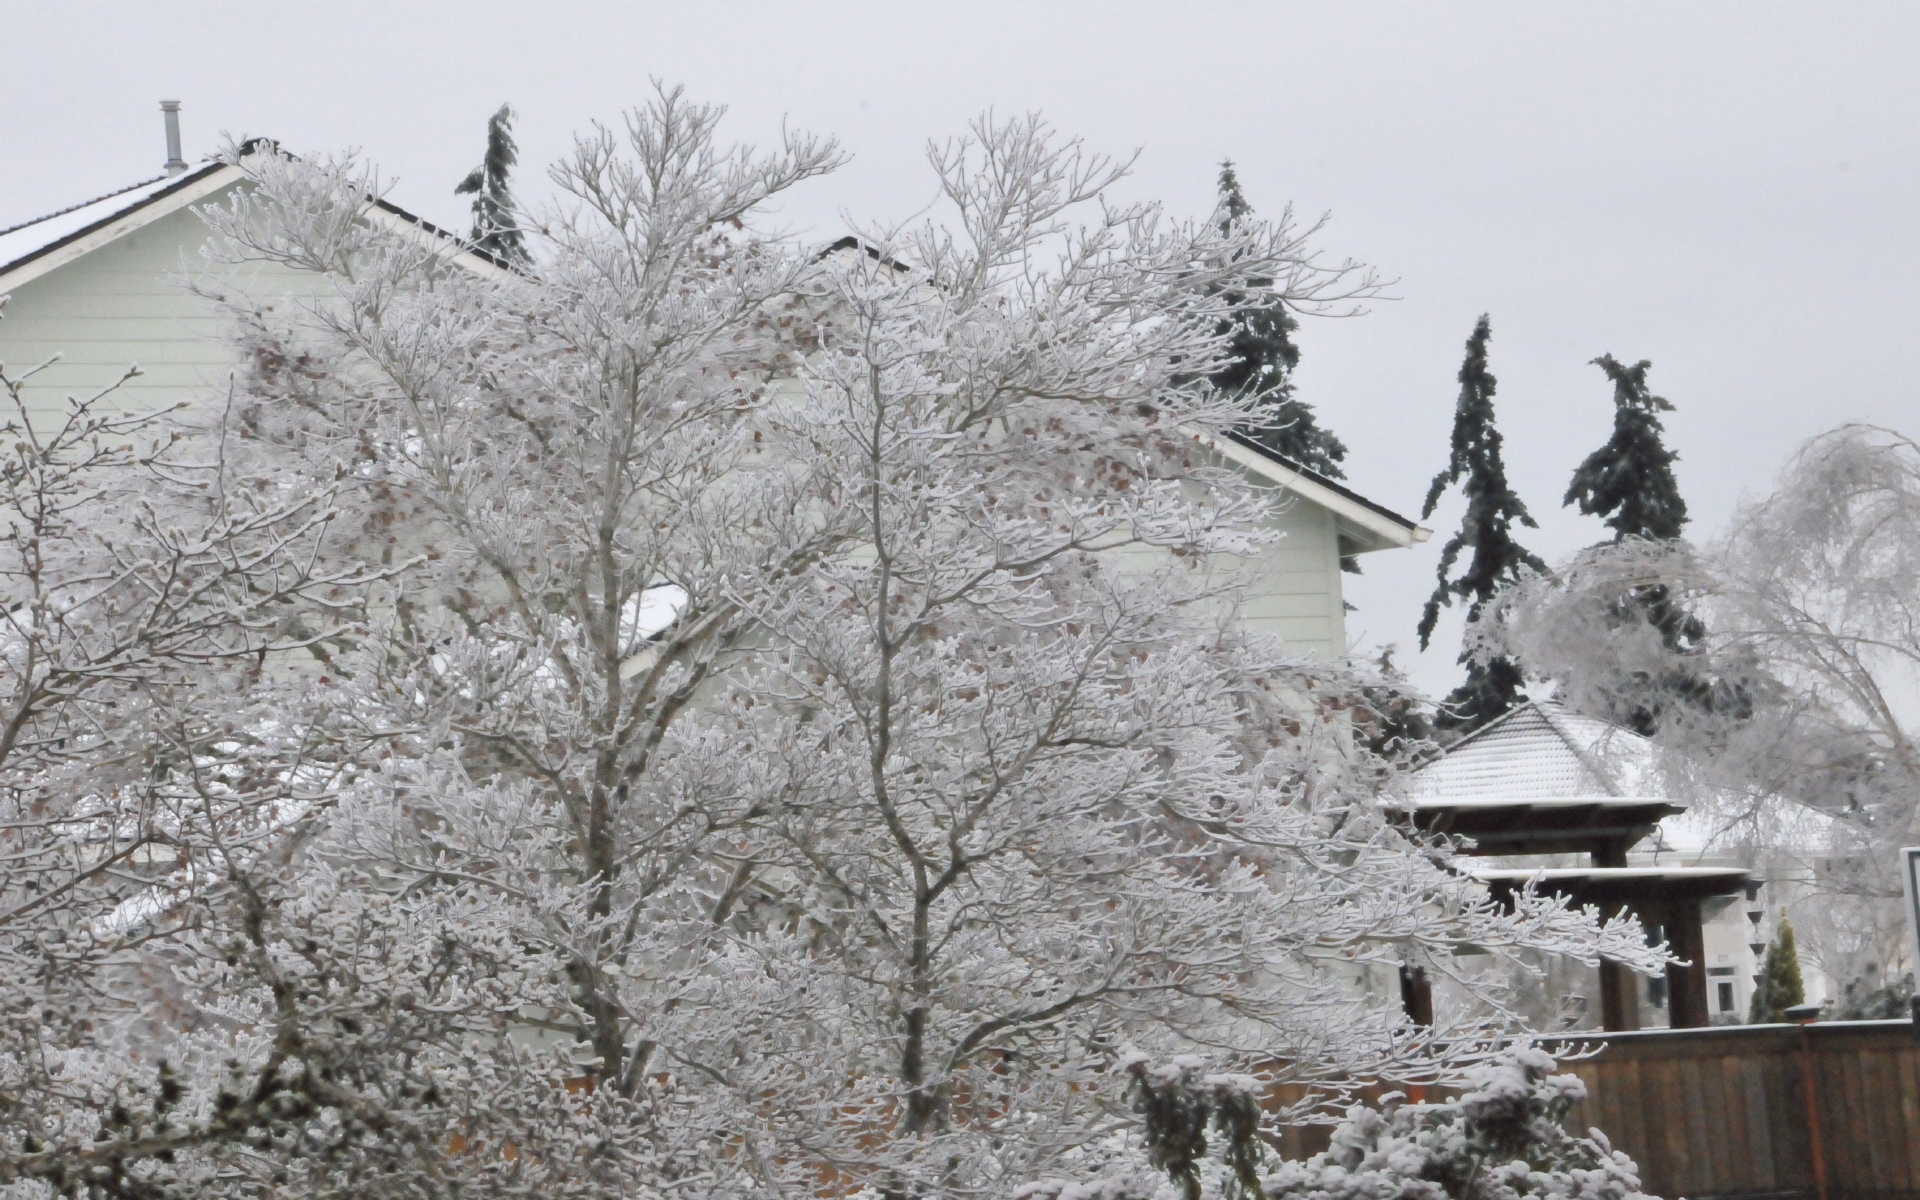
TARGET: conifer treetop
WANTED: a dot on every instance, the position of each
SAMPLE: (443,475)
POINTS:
(1233,202)
(494,227)
(1263,359)
(1629,481)
(1492,507)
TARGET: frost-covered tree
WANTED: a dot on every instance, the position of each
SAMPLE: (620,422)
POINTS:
(148,754)
(496,227)
(797,736)
(1261,360)
(1629,482)
(1475,465)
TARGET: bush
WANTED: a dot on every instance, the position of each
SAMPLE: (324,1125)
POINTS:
(1503,1139)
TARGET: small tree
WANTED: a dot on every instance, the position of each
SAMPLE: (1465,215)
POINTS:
(1493,683)
(1780,986)
(495,228)
(1261,359)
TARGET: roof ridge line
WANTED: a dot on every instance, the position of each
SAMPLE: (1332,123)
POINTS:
(1490,726)
(61,212)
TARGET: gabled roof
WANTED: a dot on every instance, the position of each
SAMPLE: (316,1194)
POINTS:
(1367,525)
(1541,751)
(33,248)
(32,243)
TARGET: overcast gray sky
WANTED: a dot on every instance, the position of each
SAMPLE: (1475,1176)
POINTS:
(1729,190)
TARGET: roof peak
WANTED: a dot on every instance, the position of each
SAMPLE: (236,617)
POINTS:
(1542,750)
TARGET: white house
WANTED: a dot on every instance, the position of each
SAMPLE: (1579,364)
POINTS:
(102,284)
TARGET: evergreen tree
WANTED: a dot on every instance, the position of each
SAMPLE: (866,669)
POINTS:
(1492,687)
(1393,722)
(494,228)
(1780,986)
(1629,483)
(1264,359)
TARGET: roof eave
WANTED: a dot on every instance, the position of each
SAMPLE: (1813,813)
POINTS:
(199,185)
(56,254)
(1371,526)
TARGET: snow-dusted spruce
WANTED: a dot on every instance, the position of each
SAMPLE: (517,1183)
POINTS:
(496,228)
(805,734)
(1476,466)
(1260,365)
(1629,484)
(1809,597)
(1502,1139)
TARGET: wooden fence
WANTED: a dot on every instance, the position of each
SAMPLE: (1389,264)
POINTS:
(1724,1111)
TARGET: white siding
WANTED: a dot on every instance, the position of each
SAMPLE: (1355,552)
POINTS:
(123,303)
(1298,594)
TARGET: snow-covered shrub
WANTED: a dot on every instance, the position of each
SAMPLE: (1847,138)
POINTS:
(1502,1139)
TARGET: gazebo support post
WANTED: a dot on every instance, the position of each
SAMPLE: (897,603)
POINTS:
(1619,987)
(1686,986)
(1619,998)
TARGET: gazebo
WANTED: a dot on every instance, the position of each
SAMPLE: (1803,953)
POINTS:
(1542,780)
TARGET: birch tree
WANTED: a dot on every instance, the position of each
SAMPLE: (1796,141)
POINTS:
(799,734)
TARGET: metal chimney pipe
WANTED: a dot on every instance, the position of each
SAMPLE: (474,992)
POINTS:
(175,164)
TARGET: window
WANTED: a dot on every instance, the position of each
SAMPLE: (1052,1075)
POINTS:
(1726,996)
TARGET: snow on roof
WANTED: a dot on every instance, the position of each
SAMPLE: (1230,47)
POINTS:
(30,238)
(32,247)
(1541,751)
(1373,526)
